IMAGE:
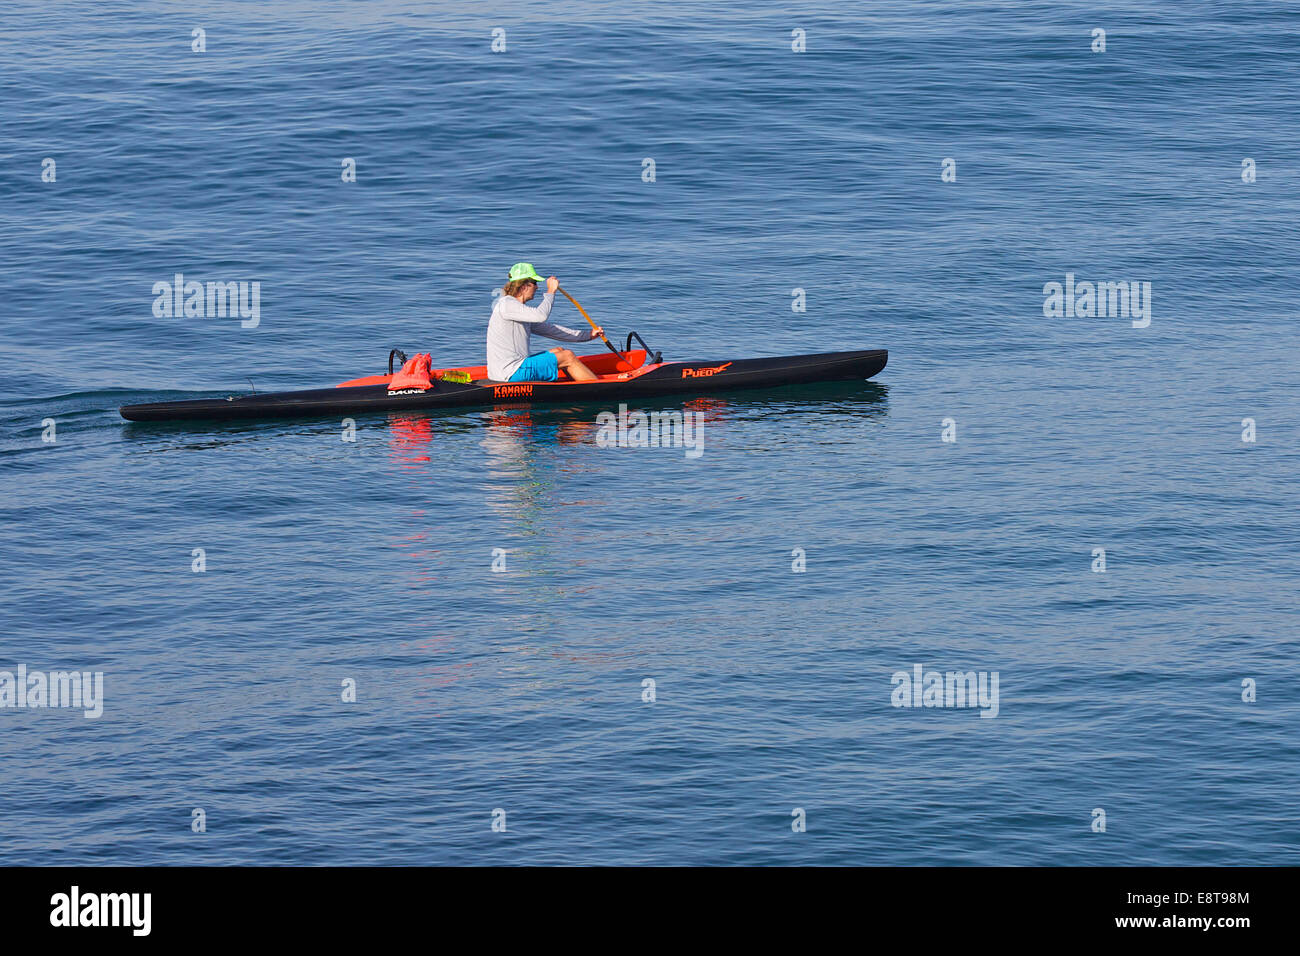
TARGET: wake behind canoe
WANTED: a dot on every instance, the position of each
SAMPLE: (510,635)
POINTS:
(620,378)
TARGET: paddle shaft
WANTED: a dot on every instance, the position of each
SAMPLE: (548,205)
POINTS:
(588,318)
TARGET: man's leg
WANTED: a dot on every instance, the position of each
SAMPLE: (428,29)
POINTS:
(573,365)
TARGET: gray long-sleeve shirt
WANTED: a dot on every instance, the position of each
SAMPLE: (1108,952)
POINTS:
(508,333)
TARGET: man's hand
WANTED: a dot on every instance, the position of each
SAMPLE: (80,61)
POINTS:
(597,332)
(552,284)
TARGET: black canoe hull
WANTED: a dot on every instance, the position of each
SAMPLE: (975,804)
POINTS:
(670,378)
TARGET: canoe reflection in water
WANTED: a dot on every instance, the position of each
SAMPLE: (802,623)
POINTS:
(510,433)
(410,438)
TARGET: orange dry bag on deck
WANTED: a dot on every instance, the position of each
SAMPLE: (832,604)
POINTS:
(414,374)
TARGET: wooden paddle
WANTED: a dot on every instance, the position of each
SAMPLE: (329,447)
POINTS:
(588,318)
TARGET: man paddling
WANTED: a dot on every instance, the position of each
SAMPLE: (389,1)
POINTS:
(509,331)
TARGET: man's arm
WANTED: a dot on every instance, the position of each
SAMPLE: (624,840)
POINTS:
(514,310)
(562,334)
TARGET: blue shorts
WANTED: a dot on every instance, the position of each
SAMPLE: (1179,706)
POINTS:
(541,367)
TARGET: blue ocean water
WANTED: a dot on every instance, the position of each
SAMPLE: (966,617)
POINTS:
(330,562)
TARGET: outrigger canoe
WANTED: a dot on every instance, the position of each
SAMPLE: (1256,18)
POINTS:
(622,376)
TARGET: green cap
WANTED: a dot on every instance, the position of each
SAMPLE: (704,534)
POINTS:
(524,270)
